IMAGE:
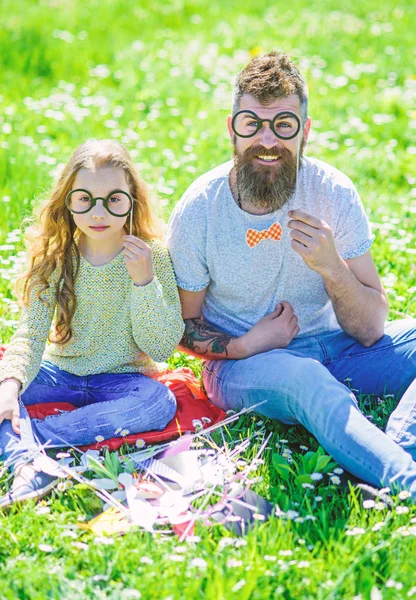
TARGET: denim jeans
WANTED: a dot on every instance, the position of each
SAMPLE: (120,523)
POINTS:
(305,383)
(106,405)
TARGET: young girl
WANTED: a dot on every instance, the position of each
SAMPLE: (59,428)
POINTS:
(98,272)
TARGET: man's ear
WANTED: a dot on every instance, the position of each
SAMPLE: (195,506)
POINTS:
(306,129)
(230,129)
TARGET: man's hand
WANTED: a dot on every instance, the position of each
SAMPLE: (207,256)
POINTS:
(201,339)
(9,404)
(138,257)
(314,241)
(275,330)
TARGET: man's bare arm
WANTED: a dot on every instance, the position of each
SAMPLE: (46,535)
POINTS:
(354,287)
(358,297)
(200,338)
(203,340)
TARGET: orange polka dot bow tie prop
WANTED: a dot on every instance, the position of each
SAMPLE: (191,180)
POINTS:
(254,237)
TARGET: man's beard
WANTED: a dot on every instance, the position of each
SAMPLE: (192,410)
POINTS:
(265,186)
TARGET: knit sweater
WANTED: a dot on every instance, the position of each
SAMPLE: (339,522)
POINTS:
(117,327)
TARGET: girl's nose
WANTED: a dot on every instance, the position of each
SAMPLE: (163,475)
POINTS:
(99,212)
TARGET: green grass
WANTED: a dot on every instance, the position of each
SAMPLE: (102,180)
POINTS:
(157,76)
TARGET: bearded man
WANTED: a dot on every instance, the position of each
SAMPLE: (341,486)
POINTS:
(280,294)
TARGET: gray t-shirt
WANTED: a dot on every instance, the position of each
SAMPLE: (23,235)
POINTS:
(211,247)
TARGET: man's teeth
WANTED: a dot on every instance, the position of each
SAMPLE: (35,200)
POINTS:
(268,158)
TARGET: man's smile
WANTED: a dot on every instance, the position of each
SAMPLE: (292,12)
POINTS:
(267,158)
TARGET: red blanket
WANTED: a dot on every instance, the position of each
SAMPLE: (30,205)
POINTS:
(194,411)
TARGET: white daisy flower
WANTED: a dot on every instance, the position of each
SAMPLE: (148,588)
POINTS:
(335,480)
(197,424)
(80,545)
(199,563)
(233,563)
(193,539)
(355,531)
(42,510)
(390,583)
(124,432)
(404,495)
(104,541)
(316,476)
(99,438)
(177,558)
(292,514)
(140,443)
(401,510)
(45,548)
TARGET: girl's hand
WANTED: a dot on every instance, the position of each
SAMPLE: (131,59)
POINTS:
(138,257)
(9,404)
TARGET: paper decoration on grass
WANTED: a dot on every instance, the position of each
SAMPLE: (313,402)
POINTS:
(156,488)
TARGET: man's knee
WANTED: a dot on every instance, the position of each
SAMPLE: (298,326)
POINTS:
(402,331)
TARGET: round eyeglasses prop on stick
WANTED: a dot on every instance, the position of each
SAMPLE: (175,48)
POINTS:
(285,126)
(118,203)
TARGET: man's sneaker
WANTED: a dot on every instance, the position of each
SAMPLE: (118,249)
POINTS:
(28,484)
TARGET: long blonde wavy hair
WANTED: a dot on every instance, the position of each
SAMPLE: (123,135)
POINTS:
(52,238)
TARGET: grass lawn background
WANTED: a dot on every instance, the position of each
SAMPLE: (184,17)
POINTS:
(157,76)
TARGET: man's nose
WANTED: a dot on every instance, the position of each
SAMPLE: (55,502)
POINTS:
(267,137)
(99,212)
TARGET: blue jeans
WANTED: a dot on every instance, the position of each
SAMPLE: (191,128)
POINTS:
(303,383)
(107,404)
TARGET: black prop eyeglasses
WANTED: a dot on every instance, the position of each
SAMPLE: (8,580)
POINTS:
(118,203)
(285,125)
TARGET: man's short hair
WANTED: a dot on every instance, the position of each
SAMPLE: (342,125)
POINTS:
(268,77)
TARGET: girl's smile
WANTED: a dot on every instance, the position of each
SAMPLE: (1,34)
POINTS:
(99,227)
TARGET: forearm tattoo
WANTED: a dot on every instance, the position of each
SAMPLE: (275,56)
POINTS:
(202,338)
